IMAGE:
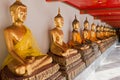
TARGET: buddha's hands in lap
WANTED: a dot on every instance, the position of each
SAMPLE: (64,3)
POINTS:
(30,59)
(69,52)
(84,47)
(32,62)
(17,67)
(25,69)
(99,41)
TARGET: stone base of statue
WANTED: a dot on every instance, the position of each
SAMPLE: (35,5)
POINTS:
(89,60)
(96,49)
(88,56)
(65,60)
(41,74)
(110,41)
(102,46)
(106,43)
(70,66)
(57,76)
(74,71)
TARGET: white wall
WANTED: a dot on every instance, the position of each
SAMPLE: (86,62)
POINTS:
(40,20)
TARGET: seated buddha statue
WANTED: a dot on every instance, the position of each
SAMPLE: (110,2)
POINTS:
(58,46)
(76,41)
(102,32)
(110,34)
(93,33)
(24,57)
(105,32)
(98,34)
(114,32)
(86,33)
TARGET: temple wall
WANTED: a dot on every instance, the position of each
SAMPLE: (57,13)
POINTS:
(40,19)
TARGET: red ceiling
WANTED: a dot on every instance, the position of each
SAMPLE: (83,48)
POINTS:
(106,10)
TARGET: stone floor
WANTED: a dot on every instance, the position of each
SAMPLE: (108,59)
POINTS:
(110,67)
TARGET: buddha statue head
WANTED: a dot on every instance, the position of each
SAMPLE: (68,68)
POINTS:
(18,12)
(101,28)
(107,29)
(104,29)
(98,28)
(93,27)
(86,24)
(75,24)
(58,20)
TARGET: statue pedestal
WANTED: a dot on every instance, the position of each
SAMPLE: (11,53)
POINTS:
(88,56)
(70,66)
(106,44)
(92,67)
(41,74)
(57,76)
(96,49)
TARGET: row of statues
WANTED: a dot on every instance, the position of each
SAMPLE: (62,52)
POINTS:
(24,56)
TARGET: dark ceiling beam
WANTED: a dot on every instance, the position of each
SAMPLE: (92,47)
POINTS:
(72,3)
(94,4)
(55,0)
(107,17)
(100,12)
(99,7)
(113,21)
(118,19)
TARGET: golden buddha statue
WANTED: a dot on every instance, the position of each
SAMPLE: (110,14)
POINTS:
(101,32)
(77,41)
(98,32)
(24,57)
(93,33)
(114,32)
(58,46)
(76,37)
(105,32)
(86,32)
(109,32)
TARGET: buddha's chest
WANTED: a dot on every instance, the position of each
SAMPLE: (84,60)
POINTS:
(93,34)
(59,36)
(86,34)
(18,35)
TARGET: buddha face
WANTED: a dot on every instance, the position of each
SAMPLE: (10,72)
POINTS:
(101,28)
(86,25)
(59,22)
(19,15)
(76,26)
(104,29)
(93,27)
(98,28)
